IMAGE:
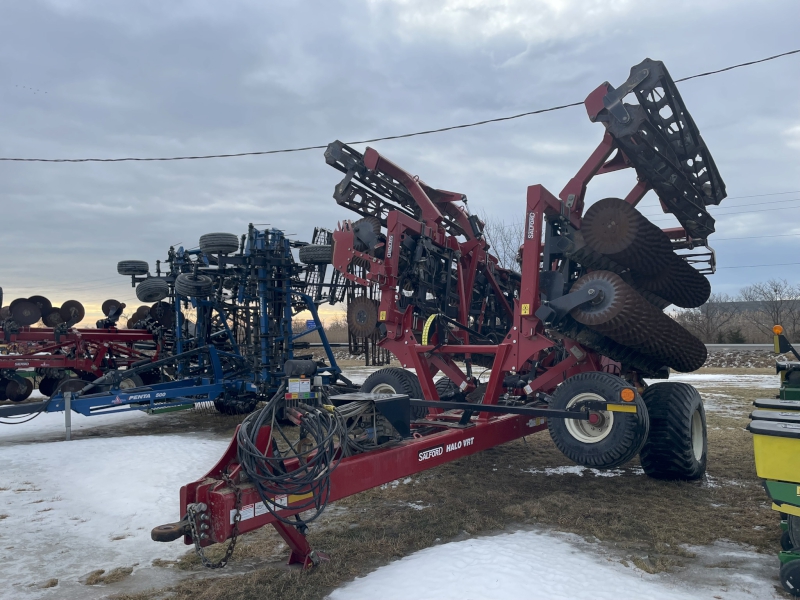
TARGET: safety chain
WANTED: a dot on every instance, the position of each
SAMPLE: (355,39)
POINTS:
(195,510)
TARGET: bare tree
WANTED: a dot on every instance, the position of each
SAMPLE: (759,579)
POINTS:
(777,302)
(709,322)
(505,239)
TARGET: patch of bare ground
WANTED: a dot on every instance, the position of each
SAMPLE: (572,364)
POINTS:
(113,576)
(646,520)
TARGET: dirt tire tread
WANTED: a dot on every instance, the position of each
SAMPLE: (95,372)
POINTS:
(236,406)
(633,436)
(219,243)
(152,289)
(667,452)
(794,530)
(133,267)
(189,285)
(316,254)
(403,382)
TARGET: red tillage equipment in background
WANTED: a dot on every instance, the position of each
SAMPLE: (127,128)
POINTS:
(87,352)
(65,358)
(569,340)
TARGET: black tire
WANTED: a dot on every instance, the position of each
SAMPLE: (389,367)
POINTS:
(677,447)
(794,530)
(236,405)
(394,380)
(786,542)
(3,384)
(219,243)
(790,577)
(133,267)
(611,442)
(449,391)
(130,381)
(152,289)
(316,254)
(188,284)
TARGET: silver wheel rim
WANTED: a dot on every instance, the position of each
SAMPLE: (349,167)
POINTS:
(697,435)
(584,431)
(127,384)
(383,388)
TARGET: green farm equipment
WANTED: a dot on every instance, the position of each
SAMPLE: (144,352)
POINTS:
(775,425)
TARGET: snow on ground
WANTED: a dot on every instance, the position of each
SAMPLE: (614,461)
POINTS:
(536,565)
(67,509)
(50,426)
(579,471)
(707,380)
(73,507)
(724,404)
(761,358)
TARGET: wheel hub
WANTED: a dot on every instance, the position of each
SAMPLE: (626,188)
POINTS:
(596,428)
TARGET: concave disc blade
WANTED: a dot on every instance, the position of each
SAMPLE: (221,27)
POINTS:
(72,311)
(43,303)
(26,313)
(362,316)
(52,317)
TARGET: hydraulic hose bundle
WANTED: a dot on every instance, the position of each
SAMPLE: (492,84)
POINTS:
(299,471)
(314,456)
(362,431)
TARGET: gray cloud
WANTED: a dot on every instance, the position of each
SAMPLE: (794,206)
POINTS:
(155,78)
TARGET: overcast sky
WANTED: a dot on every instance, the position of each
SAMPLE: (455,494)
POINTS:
(155,78)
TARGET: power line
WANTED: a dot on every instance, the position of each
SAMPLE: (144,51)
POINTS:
(378,139)
(755,210)
(657,214)
(741,212)
(303,148)
(753,266)
(746,64)
(662,214)
(733,207)
(762,195)
(753,237)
